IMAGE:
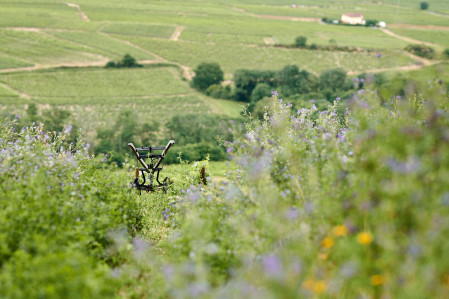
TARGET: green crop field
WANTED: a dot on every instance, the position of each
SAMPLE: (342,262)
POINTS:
(90,86)
(437,37)
(105,44)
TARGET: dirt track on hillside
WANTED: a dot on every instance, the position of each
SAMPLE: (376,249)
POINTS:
(82,14)
(177,33)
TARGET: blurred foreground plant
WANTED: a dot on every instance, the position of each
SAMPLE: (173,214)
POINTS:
(322,205)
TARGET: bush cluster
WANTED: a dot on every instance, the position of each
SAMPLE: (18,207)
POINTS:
(421,51)
(127,61)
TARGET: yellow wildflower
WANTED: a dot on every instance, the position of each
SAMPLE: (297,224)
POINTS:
(328,242)
(377,280)
(365,238)
(316,286)
(323,256)
(340,230)
(308,284)
(320,286)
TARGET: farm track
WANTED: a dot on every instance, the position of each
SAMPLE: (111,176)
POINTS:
(408,39)
(295,19)
(83,15)
(413,67)
(418,27)
(20,94)
(187,72)
(177,33)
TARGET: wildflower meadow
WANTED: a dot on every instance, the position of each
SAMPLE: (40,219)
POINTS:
(348,202)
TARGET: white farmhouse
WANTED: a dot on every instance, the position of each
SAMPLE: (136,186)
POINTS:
(353,18)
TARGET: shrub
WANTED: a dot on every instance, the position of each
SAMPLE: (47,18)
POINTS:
(371,23)
(218,91)
(421,50)
(333,79)
(301,41)
(207,74)
(127,61)
(261,91)
(424,5)
(446,53)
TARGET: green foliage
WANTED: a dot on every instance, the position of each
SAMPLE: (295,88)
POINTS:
(446,53)
(318,202)
(218,91)
(421,50)
(333,79)
(246,80)
(207,74)
(196,135)
(60,207)
(127,62)
(300,41)
(113,139)
(371,23)
(261,91)
(424,5)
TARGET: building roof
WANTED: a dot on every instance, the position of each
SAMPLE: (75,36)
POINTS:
(353,14)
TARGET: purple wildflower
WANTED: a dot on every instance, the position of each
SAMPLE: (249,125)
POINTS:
(338,99)
(379,55)
(17,116)
(166,213)
(274,93)
(272,265)
(292,214)
(67,129)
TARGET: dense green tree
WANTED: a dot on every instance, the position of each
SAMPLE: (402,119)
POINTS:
(333,79)
(261,91)
(198,132)
(246,80)
(424,5)
(195,128)
(290,80)
(114,138)
(207,74)
(300,41)
(218,91)
(127,61)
